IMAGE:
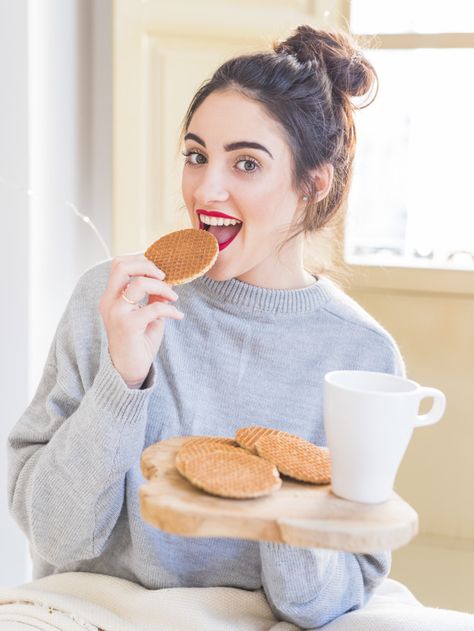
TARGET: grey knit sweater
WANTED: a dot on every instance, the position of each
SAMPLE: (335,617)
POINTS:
(241,355)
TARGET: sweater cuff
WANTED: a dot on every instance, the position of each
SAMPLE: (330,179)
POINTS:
(113,396)
(283,560)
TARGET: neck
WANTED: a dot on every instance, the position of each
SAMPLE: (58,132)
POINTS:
(297,280)
(285,272)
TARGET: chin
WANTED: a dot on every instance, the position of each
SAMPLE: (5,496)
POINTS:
(215,274)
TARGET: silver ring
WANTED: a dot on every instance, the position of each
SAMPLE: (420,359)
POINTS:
(130,302)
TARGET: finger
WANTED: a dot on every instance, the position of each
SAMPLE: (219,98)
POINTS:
(123,268)
(140,286)
(154,298)
(155,311)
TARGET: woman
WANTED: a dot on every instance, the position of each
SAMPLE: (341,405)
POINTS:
(269,142)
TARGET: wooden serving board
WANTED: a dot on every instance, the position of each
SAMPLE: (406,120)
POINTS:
(298,514)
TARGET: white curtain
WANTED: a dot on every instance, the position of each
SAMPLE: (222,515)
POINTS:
(55,165)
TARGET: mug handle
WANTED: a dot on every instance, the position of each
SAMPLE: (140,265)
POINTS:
(436,412)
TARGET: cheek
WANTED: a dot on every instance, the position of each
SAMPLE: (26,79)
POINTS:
(187,190)
(185,184)
(270,204)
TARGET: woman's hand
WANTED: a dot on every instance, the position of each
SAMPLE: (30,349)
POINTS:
(135,332)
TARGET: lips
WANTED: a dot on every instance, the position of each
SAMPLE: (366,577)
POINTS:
(214,213)
(224,234)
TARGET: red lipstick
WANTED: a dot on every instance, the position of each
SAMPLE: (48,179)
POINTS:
(215,213)
(222,246)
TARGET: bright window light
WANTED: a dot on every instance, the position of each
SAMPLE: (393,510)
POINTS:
(412,16)
(411,201)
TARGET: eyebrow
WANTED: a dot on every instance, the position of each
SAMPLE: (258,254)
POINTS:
(233,146)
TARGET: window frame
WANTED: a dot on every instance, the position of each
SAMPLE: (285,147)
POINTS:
(379,276)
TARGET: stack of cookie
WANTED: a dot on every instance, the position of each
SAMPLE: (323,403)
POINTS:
(250,465)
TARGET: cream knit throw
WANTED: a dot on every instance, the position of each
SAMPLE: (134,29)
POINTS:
(79,601)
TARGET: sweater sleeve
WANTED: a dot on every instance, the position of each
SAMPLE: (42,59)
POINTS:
(312,586)
(70,450)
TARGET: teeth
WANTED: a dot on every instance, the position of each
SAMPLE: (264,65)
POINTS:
(218,221)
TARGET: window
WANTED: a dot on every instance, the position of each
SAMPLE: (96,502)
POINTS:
(411,202)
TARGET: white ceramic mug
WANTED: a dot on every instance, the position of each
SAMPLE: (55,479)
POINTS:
(369,418)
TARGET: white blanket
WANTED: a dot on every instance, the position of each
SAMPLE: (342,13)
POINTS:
(77,601)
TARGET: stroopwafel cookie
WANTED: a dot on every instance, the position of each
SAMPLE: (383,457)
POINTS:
(295,457)
(184,255)
(231,474)
(201,445)
(248,436)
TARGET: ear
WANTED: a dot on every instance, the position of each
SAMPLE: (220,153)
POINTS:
(323,177)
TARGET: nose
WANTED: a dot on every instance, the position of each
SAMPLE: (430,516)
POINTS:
(211,186)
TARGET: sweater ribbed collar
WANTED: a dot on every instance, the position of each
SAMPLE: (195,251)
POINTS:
(243,294)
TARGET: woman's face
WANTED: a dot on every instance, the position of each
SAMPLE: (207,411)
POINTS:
(239,164)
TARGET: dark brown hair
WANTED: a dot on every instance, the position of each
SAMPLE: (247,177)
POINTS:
(305,84)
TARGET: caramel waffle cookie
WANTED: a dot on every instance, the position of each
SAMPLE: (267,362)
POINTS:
(295,457)
(201,445)
(248,436)
(184,255)
(234,474)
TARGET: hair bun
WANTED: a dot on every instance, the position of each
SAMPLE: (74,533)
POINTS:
(349,71)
